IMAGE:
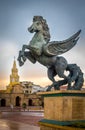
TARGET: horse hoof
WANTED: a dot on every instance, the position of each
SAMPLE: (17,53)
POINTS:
(24,58)
(21,63)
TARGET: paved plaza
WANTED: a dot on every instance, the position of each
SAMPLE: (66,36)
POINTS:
(12,125)
(20,120)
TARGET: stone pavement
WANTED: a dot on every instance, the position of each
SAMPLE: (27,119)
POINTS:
(20,120)
(12,125)
(30,118)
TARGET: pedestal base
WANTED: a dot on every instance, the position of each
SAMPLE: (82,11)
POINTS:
(62,108)
(61,125)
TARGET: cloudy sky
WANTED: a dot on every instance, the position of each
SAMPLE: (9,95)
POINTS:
(64,17)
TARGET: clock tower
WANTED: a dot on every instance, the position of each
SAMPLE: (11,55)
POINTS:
(14,77)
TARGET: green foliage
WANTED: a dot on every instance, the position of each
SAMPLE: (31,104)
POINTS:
(24,105)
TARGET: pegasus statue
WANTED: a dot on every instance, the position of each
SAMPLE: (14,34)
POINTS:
(47,52)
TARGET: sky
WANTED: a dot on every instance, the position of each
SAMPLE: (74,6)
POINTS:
(64,18)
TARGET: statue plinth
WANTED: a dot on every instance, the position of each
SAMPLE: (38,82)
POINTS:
(62,108)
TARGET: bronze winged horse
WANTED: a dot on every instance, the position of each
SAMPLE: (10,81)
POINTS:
(46,52)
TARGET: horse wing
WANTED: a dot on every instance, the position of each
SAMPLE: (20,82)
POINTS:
(60,47)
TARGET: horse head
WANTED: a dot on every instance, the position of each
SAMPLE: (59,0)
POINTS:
(35,27)
(40,25)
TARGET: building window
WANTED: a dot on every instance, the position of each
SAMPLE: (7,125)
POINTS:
(26,91)
(26,86)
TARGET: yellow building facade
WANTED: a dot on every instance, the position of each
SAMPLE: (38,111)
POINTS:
(15,95)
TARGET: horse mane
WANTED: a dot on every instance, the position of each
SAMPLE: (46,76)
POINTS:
(46,32)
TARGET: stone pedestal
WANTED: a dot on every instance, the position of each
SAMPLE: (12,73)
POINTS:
(62,108)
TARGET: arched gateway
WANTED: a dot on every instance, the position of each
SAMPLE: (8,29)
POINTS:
(18,101)
(3,102)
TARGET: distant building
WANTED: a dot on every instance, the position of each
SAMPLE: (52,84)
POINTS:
(30,88)
(18,92)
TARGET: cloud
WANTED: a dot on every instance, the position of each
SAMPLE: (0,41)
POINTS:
(8,48)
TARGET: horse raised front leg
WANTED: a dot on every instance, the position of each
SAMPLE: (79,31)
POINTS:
(30,57)
(20,59)
(23,51)
(23,48)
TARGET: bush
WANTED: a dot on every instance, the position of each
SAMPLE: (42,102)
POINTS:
(24,105)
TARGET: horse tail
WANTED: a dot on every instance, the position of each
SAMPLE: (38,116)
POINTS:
(75,77)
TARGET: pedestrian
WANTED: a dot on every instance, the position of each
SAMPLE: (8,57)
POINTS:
(11,106)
